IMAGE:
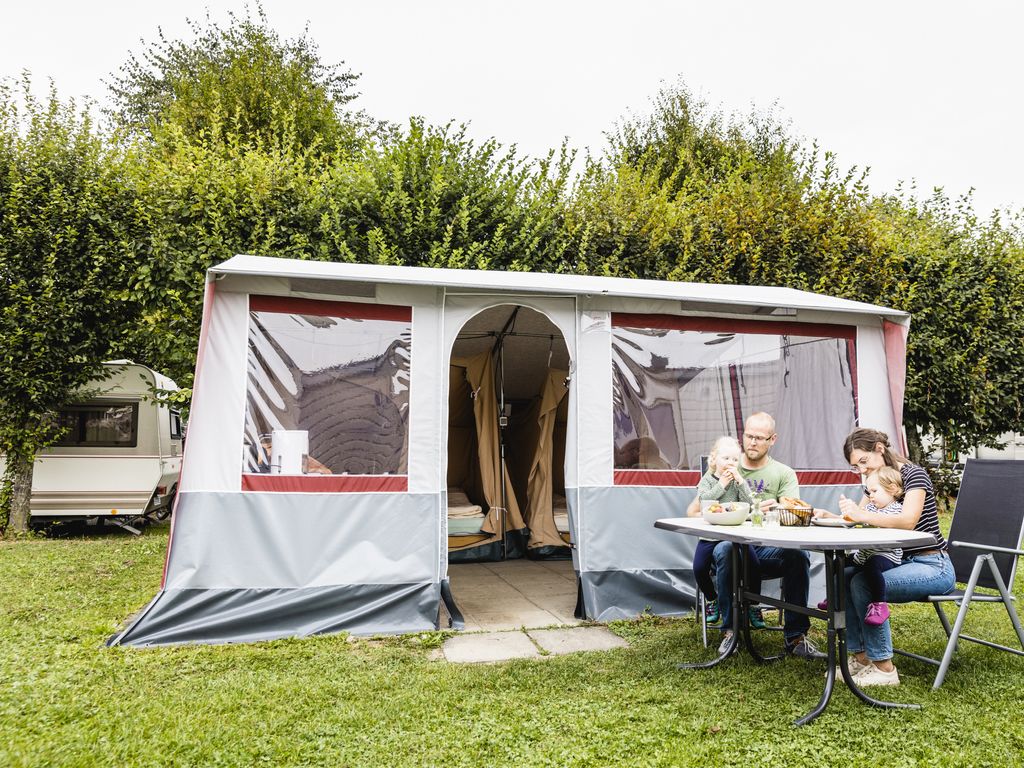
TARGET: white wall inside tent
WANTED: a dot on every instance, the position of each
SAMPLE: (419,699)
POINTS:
(876,406)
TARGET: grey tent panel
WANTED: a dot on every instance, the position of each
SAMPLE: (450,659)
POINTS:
(611,595)
(617,528)
(211,616)
(259,566)
(297,540)
(629,567)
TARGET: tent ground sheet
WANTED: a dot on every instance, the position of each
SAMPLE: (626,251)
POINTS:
(514,594)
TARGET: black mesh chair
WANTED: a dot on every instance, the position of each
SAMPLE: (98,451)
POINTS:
(983,545)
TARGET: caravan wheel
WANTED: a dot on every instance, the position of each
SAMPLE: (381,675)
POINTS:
(164,512)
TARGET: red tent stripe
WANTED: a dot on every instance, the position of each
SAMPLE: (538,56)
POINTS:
(348,309)
(326,483)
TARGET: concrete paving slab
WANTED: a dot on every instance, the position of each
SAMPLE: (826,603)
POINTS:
(490,647)
(516,620)
(559,641)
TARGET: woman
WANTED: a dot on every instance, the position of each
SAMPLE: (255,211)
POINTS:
(924,570)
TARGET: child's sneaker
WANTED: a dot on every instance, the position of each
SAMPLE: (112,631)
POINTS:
(712,614)
(876,614)
(756,618)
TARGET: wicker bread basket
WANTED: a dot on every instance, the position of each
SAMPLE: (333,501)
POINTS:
(793,515)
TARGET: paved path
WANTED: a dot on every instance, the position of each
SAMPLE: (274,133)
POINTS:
(520,609)
(528,644)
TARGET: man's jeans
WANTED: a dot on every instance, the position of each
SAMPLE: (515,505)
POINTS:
(792,565)
(918,577)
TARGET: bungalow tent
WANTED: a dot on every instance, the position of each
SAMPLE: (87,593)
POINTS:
(356,428)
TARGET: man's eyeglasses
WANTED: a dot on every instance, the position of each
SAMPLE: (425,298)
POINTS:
(756,438)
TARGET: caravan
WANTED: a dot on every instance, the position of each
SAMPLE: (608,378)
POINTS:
(120,456)
(359,430)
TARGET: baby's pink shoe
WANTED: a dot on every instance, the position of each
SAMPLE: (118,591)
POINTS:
(876,614)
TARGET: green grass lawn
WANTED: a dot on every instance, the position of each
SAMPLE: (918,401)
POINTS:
(66,700)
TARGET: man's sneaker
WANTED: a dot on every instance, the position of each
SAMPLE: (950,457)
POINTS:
(756,618)
(712,615)
(803,648)
(876,614)
(726,639)
(872,675)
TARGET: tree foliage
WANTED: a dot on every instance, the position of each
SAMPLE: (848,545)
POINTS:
(240,80)
(70,240)
(428,196)
(235,141)
(684,194)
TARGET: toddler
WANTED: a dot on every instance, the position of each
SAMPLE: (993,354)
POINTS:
(722,482)
(884,489)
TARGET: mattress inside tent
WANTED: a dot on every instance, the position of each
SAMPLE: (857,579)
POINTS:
(464,517)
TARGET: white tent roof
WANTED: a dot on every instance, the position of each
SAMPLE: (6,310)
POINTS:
(755,296)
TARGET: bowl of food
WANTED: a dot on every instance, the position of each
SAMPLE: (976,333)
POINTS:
(724,512)
(794,511)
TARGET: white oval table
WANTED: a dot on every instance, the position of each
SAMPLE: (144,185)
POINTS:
(833,543)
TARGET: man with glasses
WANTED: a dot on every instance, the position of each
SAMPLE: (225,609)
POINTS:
(793,565)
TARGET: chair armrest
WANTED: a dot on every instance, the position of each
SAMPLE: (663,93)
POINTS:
(987,547)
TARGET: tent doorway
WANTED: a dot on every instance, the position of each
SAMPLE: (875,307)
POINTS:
(515,593)
(508,380)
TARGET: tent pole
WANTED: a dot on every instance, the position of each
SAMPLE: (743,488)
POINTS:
(499,349)
(502,422)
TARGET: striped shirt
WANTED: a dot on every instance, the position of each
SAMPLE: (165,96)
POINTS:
(915,477)
(895,555)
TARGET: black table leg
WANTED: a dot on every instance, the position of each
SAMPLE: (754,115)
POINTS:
(835,591)
(744,608)
(737,592)
(838,616)
(830,674)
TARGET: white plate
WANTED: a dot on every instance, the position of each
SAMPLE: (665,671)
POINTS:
(832,522)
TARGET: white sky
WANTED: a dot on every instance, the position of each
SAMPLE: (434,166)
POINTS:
(925,91)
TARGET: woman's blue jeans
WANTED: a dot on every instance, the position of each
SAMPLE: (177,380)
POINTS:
(918,577)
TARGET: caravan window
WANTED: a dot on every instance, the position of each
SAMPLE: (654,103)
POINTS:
(100,425)
(328,382)
(679,383)
(176,431)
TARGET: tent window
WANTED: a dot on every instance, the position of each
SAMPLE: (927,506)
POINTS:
(328,388)
(676,389)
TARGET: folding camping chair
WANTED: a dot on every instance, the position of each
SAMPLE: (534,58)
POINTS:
(984,538)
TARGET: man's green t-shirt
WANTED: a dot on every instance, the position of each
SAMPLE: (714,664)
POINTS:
(779,480)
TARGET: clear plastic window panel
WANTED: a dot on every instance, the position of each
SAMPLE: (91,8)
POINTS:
(327,395)
(676,391)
